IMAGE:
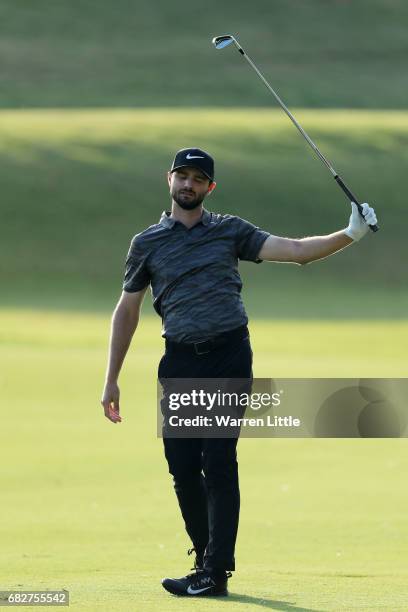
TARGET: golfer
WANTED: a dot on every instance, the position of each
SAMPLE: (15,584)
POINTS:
(190,260)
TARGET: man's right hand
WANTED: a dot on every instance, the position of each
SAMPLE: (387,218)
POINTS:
(110,402)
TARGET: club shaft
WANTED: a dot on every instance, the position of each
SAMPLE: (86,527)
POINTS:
(291,117)
(338,179)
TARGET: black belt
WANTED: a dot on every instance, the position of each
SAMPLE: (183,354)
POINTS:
(205,346)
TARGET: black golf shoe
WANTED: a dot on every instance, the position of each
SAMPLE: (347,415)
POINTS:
(201,583)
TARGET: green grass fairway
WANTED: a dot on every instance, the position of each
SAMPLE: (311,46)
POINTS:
(102,53)
(88,506)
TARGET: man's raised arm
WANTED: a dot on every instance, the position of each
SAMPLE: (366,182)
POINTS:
(125,319)
(305,250)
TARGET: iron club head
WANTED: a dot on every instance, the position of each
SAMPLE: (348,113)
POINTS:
(222,41)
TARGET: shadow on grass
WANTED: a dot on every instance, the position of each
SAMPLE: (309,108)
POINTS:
(272,604)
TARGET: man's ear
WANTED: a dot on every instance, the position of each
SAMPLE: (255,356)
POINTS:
(211,187)
(169,178)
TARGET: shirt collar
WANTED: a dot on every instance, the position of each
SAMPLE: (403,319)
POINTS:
(169,222)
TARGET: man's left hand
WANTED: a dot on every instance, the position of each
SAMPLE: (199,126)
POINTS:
(358,227)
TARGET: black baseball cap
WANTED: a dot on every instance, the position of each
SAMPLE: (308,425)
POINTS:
(196,158)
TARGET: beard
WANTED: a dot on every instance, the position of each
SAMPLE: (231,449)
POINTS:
(187,202)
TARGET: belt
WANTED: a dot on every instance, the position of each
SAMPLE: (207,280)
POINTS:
(206,346)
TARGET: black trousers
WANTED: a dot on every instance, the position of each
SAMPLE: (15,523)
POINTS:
(205,470)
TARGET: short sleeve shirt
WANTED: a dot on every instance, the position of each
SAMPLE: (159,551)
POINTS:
(193,272)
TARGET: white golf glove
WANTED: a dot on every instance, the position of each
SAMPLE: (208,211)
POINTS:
(358,227)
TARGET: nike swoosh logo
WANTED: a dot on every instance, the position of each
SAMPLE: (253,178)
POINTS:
(188,156)
(191,591)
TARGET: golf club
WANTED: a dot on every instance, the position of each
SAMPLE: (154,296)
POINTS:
(220,42)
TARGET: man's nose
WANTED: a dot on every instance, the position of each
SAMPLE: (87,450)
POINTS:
(188,183)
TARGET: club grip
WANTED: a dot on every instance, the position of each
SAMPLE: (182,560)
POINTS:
(352,198)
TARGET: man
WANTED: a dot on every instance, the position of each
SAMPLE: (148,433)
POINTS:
(190,259)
